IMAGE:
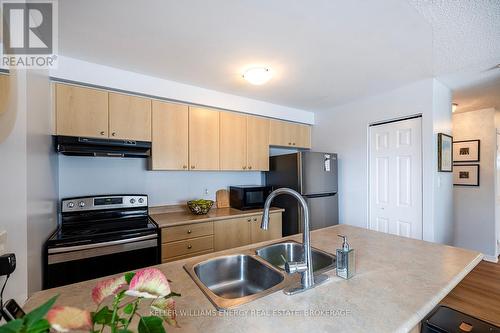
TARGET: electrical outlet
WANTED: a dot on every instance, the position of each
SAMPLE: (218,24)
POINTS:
(3,241)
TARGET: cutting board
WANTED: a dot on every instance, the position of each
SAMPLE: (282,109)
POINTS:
(222,198)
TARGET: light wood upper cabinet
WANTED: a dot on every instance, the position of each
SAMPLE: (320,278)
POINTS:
(287,134)
(259,235)
(232,233)
(81,111)
(233,141)
(129,117)
(257,143)
(170,148)
(203,139)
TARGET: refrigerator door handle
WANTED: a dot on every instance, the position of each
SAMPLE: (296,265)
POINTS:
(321,195)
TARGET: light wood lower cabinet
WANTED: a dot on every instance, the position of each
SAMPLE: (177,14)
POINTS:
(245,230)
(187,247)
(232,233)
(187,240)
(274,231)
(190,240)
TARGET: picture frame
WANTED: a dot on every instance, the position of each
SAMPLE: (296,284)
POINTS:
(467,151)
(445,153)
(466,175)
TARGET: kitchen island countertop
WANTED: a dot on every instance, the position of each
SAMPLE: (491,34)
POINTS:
(398,282)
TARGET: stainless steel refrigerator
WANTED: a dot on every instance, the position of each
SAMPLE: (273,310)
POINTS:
(315,176)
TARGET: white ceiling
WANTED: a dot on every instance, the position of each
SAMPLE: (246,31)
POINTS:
(323,52)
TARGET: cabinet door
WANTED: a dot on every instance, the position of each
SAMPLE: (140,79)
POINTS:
(129,117)
(170,136)
(274,231)
(301,136)
(280,133)
(233,141)
(231,233)
(81,111)
(203,139)
(257,143)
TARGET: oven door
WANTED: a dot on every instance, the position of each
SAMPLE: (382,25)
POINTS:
(73,264)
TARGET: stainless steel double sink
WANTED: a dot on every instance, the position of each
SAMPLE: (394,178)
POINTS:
(231,280)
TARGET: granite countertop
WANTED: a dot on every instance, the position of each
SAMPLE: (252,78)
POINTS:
(182,216)
(398,282)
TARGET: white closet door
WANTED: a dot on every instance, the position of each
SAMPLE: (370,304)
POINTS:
(396,178)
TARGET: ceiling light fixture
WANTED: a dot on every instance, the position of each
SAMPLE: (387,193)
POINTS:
(257,75)
(454,107)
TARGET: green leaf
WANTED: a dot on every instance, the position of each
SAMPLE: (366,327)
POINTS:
(103,316)
(129,276)
(13,326)
(151,324)
(128,308)
(40,326)
(125,331)
(39,313)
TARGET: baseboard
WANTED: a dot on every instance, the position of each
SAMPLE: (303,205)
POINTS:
(490,259)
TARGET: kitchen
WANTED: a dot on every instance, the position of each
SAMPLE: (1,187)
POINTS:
(114,149)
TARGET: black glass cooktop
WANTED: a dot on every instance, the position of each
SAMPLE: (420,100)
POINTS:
(99,231)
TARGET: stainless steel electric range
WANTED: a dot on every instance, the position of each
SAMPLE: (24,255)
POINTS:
(99,236)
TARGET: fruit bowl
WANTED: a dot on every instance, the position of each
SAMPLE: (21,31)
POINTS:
(200,206)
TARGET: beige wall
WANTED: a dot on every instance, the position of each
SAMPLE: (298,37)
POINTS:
(474,207)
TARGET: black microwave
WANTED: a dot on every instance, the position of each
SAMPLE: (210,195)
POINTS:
(248,196)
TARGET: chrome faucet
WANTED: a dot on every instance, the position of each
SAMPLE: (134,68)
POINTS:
(308,280)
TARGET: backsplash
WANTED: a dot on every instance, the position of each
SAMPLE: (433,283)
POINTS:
(80,176)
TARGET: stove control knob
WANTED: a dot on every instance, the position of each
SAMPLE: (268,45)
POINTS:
(81,204)
(70,204)
(132,201)
(141,200)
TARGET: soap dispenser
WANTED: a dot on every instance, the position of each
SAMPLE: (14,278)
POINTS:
(345,260)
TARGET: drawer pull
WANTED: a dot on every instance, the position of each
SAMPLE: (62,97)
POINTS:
(189,231)
(249,220)
(255,219)
(189,247)
(102,132)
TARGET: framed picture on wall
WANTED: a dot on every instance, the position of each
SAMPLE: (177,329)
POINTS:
(466,175)
(445,153)
(466,151)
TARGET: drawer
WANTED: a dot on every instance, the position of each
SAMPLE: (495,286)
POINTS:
(187,246)
(171,234)
(184,256)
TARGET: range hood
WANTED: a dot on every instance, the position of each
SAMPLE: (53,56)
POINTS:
(79,146)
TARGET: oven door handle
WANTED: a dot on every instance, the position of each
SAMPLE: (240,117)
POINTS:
(98,245)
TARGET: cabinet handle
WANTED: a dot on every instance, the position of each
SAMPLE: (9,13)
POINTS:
(190,247)
(249,220)
(289,143)
(184,166)
(113,134)
(192,166)
(293,143)
(189,231)
(255,219)
(102,132)
(249,168)
(244,167)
